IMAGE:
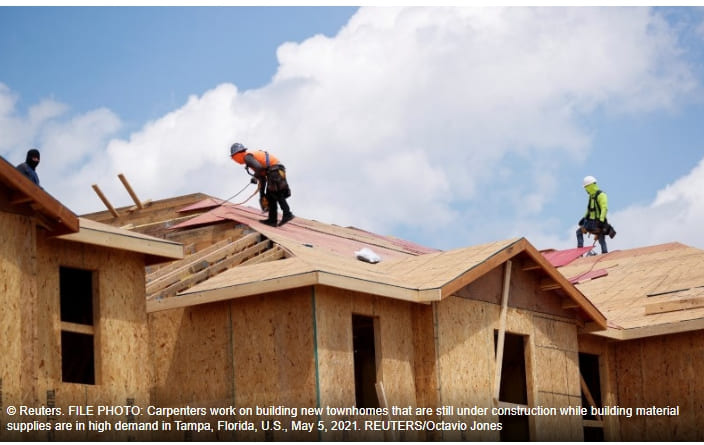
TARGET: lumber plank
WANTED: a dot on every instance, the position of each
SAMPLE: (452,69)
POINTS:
(176,265)
(588,394)
(214,269)
(192,267)
(672,306)
(131,192)
(502,332)
(273,254)
(77,328)
(549,284)
(194,263)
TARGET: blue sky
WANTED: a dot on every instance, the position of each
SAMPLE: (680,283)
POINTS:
(445,126)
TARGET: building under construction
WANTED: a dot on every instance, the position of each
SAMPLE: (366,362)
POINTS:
(192,302)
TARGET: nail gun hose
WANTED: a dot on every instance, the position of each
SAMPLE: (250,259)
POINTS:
(235,195)
(243,189)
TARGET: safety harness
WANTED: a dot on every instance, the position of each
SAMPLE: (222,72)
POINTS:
(594,205)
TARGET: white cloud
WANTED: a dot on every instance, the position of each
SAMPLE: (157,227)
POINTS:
(408,117)
(676,214)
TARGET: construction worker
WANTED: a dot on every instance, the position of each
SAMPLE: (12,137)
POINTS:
(271,176)
(594,220)
(29,166)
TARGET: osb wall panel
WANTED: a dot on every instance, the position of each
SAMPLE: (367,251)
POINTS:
(466,363)
(425,356)
(18,294)
(274,357)
(396,361)
(465,343)
(489,288)
(192,357)
(246,353)
(591,344)
(121,334)
(662,371)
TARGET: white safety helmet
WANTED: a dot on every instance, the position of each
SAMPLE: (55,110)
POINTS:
(589,180)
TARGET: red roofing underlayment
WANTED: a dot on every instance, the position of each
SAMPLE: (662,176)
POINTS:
(564,257)
(201,205)
(559,258)
(589,275)
(306,232)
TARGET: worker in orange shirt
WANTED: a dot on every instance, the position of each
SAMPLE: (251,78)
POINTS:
(271,175)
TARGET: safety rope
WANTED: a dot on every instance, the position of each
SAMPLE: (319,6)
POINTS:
(236,194)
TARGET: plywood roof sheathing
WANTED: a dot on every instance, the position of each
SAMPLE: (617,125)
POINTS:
(638,281)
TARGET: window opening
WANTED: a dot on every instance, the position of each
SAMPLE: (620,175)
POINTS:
(589,370)
(365,370)
(514,386)
(76,292)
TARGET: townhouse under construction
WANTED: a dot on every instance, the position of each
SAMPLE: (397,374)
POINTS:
(190,303)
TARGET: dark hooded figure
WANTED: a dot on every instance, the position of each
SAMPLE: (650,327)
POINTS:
(29,167)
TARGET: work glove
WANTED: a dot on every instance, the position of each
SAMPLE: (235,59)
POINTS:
(581,222)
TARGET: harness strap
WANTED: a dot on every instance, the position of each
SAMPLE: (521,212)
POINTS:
(594,205)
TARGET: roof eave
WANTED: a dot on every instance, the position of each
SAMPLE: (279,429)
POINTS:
(156,250)
(590,310)
(60,220)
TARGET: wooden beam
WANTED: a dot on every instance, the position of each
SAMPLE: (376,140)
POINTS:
(590,310)
(511,405)
(672,306)
(568,303)
(102,197)
(502,332)
(588,394)
(531,266)
(230,292)
(243,242)
(77,328)
(547,284)
(128,187)
(504,254)
(210,271)
(19,198)
(276,253)
(384,403)
(144,204)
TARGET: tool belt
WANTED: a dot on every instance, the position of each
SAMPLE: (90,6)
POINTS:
(276,180)
(595,227)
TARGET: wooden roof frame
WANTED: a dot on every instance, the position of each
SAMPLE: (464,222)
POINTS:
(296,272)
(27,198)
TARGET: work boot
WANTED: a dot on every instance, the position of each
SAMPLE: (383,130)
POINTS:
(286,218)
(268,222)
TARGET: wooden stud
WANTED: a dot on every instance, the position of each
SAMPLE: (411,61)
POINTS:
(588,394)
(128,187)
(77,328)
(502,332)
(548,284)
(568,303)
(102,197)
(383,403)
